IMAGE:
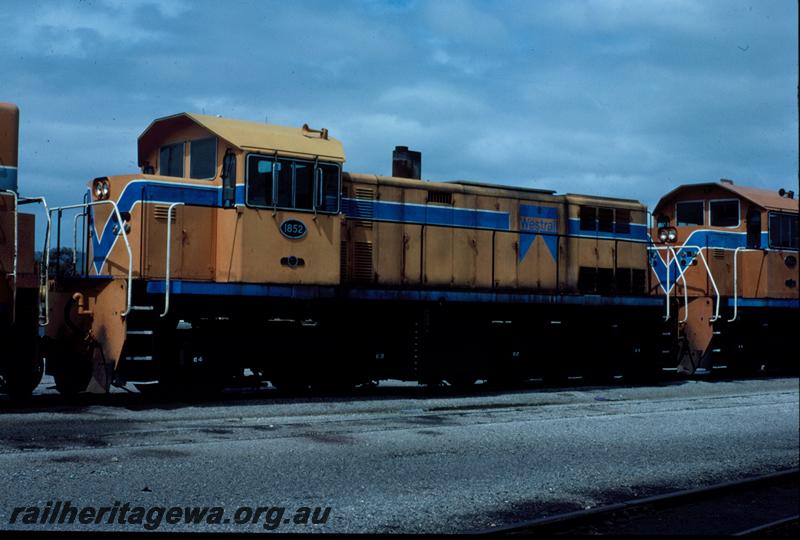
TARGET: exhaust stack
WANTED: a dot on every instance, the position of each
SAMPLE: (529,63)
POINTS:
(406,163)
(9,145)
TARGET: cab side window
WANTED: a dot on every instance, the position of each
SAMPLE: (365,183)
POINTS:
(783,230)
(203,158)
(292,184)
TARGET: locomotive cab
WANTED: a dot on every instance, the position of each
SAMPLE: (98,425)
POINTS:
(223,208)
(727,254)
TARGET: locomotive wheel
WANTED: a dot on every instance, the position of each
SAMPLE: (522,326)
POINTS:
(21,366)
(72,371)
(23,375)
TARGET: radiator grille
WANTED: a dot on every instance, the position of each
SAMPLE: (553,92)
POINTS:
(363,207)
(718,253)
(440,197)
(362,261)
(343,262)
(160,212)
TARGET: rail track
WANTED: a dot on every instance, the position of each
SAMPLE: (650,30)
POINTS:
(764,504)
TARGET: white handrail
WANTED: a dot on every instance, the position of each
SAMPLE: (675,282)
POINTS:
(75,239)
(169,252)
(681,276)
(44,305)
(710,276)
(124,237)
(736,279)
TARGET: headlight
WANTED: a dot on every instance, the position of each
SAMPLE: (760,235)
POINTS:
(101,189)
(662,235)
(672,235)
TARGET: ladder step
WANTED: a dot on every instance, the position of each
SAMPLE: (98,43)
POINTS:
(139,358)
(140,332)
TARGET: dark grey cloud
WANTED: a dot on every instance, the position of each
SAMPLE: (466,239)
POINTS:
(621,98)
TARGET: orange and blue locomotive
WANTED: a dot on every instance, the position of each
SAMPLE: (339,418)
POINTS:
(726,258)
(244,246)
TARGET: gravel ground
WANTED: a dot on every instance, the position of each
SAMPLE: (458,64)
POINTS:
(400,459)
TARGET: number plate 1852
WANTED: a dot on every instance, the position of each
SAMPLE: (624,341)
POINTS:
(293,229)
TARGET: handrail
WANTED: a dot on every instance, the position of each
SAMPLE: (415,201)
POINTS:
(710,276)
(169,252)
(44,304)
(681,276)
(16,255)
(122,230)
(735,280)
(75,239)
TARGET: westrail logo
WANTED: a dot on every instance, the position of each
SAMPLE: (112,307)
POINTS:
(538,220)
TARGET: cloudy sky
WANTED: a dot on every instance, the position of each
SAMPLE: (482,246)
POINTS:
(619,98)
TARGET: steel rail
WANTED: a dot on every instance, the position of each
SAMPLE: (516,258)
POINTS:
(584,517)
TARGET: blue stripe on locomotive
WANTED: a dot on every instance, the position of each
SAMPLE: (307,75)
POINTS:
(180,287)
(422,214)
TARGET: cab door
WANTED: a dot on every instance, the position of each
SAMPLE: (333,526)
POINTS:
(291,228)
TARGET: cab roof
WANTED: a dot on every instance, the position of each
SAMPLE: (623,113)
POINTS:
(245,135)
(764,198)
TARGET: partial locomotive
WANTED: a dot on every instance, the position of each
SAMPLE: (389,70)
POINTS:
(20,363)
(244,246)
(727,256)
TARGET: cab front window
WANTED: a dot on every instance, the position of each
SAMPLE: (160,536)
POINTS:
(170,162)
(689,213)
(724,213)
